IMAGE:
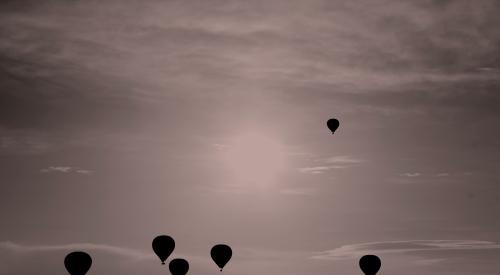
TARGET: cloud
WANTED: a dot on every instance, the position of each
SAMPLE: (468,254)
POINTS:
(405,54)
(335,162)
(83,171)
(26,142)
(314,170)
(411,175)
(321,169)
(61,169)
(47,258)
(356,250)
(426,262)
(220,147)
(65,169)
(343,160)
(116,250)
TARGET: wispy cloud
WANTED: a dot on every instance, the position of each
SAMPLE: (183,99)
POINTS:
(65,169)
(321,169)
(120,251)
(26,141)
(330,163)
(411,175)
(83,171)
(356,250)
(60,169)
(344,160)
(314,170)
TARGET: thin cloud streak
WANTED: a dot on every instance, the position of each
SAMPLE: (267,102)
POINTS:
(330,163)
(344,160)
(65,169)
(411,175)
(321,169)
(356,250)
(116,250)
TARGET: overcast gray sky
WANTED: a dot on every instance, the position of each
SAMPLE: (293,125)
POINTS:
(205,120)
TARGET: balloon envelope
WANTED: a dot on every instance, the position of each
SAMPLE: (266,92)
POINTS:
(370,264)
(221,254)
(163,246)
(178,267)
(77,263)
(333,124)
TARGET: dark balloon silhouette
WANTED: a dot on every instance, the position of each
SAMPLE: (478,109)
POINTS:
(333,124)
(163,246)
(370,264)
(178,267)
(221,254)
(77,263)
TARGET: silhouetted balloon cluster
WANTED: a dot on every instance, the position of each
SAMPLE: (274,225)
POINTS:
(164,245)
(79,263)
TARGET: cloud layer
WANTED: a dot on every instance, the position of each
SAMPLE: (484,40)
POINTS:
(357,250)
(65,169)
(115,250)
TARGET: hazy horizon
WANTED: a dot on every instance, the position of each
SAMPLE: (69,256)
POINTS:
(206,121)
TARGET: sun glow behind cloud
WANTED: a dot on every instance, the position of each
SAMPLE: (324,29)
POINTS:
(255,159)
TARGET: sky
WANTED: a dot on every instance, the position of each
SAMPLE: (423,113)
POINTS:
(121,120)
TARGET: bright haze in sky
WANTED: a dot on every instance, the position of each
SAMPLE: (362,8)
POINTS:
(254,159)
(121,120)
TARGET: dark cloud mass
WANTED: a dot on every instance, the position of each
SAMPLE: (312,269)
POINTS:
(121,120)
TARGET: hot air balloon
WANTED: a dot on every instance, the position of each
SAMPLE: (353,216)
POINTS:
(370,264)
(333,124)
(163,246)
(221,254)
(77,263)
(178,266)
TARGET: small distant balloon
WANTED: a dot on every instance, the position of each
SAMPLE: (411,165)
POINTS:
(178,267)
(370,264)
(221,254)
(163,246)
(333,124)
(77,263)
